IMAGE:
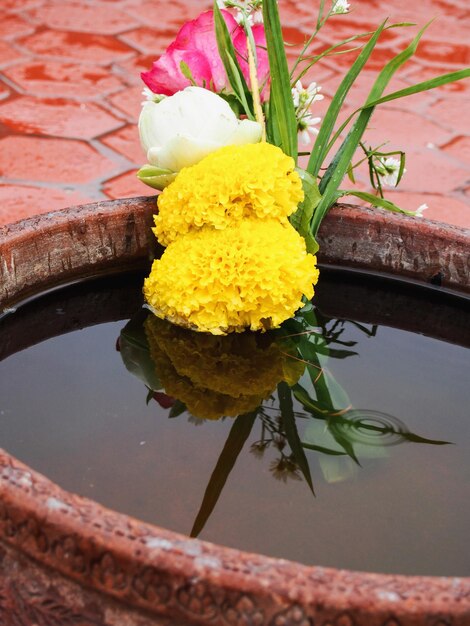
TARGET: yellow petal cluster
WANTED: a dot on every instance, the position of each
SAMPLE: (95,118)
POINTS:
(217,376)
(252,275)
(230,184)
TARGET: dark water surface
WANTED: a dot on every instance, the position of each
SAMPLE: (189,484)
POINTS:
(71,410)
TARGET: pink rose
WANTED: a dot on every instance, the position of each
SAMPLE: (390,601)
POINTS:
(196,45)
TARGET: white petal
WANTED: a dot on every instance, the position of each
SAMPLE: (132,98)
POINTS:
(181,151)
(246,132)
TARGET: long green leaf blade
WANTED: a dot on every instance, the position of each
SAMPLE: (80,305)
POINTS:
(340,163)
(338,435)
(290,428)
(238,435)
(426,85)
(228,55)
(375,201)
(282,112)
(314,58)
(320,149)
(301,219)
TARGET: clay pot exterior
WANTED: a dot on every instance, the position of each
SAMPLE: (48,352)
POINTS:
(67,560)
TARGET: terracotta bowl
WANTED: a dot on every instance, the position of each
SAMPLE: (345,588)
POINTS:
(66,560)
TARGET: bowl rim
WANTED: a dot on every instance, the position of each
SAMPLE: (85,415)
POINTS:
(167,573)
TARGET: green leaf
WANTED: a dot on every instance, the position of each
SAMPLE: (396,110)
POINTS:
(239,89)
(426,85)
(335,354)
(342,159)
(135,353)
(375,201)
(338,395)
(323,450)
(334,427)
(229,59)
(283,122)
(233,102)
(318,409)
(417,439)
(156,177)
(186,71)
(292,435)
(320,149)
(320,14)
(314,58)
(177,409)
(238,435)
(149,397)
(300,220)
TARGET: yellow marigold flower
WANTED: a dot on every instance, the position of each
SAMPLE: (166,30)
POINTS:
(217,376)
(233,183)
(237,364)
(200,401)
(252,275)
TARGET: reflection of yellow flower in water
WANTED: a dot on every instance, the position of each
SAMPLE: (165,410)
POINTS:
(217,376)
(231,184)
(252,275)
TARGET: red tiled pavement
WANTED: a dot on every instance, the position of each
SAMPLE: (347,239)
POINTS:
(58,117)
(128,102)
(125,141)
(96,18)
(82,47)
(460,149)
(52,160)
(126,186)
(12,26)
(18,202)
(59,79)
(70,96)
(7,54)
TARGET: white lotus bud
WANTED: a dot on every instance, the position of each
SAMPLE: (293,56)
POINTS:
(182,129)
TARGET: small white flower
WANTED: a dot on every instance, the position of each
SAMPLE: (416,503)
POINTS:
(240,18)
(304,98)
(306,127)
(253,12)
(388,170)
(340,7)
(420,209)
(296,93)
(257,17)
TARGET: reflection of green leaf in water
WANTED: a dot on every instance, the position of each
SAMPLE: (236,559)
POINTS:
(368,433)
(366,428)
(417,439)
(340,434)
(316,408)
(340,354)
(177,409)
(238,435)
(135,352)
(292,435)
(341,439)
(322,449)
